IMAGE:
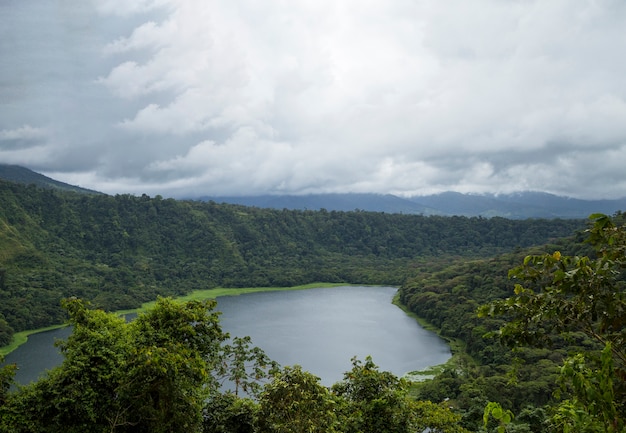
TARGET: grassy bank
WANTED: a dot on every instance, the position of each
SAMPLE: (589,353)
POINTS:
(20,338)
(201,295)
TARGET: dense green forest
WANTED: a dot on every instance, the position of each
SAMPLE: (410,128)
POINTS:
(557,296)
(536,311)
(119,251)
(565,319)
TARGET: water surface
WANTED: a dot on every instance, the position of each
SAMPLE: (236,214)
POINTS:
(319,329)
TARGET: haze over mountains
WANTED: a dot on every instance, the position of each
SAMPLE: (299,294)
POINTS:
(527,204)
(516,206)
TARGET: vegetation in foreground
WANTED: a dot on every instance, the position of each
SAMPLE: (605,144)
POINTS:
(162,373)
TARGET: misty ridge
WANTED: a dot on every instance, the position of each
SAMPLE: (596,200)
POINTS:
(519,205)
(515,206)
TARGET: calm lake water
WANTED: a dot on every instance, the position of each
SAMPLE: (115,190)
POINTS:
(319,329)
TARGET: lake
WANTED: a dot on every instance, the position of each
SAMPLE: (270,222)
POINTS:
(319,329)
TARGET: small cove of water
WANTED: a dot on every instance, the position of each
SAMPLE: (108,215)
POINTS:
(319,329)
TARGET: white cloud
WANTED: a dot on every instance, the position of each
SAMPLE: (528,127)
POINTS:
(126,8)
(384,96)
(25,132)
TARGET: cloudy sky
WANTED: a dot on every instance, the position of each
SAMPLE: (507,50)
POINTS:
(240,97)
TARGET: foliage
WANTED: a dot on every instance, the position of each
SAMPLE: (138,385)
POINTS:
(378,402)
(244,366)
(295,402)
(447,294)
(148,375)
(566,294)
(6,379)
(502,416)
(158,373)
(436,418)
(227,413)
(557,327)
(120,251)
(593,407)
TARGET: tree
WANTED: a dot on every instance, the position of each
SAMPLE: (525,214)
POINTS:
(378,402)
(227,413)
(6,379)
(148,375)
(295,402)
(244,367)
(559,294)
(80,394)
(175,347)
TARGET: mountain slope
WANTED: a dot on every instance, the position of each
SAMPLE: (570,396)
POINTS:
(18,174)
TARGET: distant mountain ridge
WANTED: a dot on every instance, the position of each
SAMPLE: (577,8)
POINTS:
(18,174)
(520,205)
(527,204)
(331,202)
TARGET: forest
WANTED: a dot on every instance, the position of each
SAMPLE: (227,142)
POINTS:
(120,251)
(535,311)
(534,327)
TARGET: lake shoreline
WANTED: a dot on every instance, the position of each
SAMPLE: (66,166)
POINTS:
(20,338)
(457,347)
(362,318)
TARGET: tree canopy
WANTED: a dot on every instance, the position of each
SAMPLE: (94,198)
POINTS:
(557,296)
(552,310)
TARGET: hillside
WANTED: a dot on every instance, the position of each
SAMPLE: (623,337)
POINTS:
(18,174)
(524,378)
(123,250)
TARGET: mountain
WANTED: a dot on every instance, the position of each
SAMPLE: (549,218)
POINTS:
(527,204)
(520,205)
(18,174)
(331,202)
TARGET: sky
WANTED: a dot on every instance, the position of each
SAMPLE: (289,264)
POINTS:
(189,98)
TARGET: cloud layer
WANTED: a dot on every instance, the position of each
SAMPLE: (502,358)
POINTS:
(204,97)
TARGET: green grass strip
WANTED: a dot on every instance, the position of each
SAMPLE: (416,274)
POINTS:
(202,295)
(20,338)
